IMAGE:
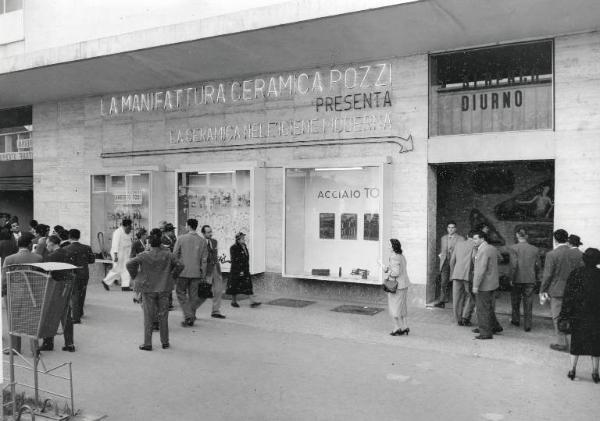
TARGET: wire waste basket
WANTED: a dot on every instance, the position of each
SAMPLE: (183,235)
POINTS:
(38,297)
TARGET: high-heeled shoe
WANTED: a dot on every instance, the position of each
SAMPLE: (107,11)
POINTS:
(571,374)
(397,332)
(405,331)
(596,377)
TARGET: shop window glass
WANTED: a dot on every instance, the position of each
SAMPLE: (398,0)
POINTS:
(13,5)
(126,196)
(502,88)
(332,227)
(219,199)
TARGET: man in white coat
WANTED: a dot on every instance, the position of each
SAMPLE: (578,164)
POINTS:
(120,252)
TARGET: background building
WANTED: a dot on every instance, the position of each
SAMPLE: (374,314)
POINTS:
(321,128)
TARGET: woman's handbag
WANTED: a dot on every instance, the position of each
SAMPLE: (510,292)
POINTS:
(390,284)
(564,326)
(205,290)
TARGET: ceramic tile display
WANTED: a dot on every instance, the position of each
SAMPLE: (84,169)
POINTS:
(114,198)
(218,199)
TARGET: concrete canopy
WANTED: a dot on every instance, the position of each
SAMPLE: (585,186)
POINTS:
(398,30)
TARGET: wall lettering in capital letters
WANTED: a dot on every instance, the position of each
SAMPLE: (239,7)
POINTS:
(283,129)
(317,82)
(366,192)
(493,100)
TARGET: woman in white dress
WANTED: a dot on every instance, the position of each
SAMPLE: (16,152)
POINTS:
(397,301)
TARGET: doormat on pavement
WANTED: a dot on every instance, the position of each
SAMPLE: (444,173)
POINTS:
(288,302)
(367,311)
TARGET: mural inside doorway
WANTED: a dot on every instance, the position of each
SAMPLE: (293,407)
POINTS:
(535,204)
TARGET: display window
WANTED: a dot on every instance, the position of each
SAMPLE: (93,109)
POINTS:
(223,200)
(114,198)
(493,89)
(332,223)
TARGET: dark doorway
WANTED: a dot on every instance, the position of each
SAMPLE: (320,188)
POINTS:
(505,196)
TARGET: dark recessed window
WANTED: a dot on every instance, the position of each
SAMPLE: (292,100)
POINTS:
(492,89)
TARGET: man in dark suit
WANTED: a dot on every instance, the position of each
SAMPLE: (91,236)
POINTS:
(62,255)
(485,284)
(557,268)
(22,256)
(213,273)
(461,269)
(447,245)
(575,254)
(524,265)
(81,256)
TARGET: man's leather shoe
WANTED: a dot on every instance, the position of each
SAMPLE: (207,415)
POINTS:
(145,347)
(255,304)
(440,305)
(466,322)
(527,329)
(476,330)
(106,286)
(217,316)
(558,347)
(69,348)
(187,323)
(47,347)
(483,337)
(517,324)
(497,329)
(165,346)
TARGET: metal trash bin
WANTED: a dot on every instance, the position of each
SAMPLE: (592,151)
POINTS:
(37,297)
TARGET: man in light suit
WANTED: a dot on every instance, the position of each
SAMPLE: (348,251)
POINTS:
(191,249)
(557,268)
(448,243)
(213,273)
(485,284)
(23,256)
(461,268)
(120,250)
(524,267)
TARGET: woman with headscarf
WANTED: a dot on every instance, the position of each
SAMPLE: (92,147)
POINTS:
(239,274)
(397,305)
(580,313)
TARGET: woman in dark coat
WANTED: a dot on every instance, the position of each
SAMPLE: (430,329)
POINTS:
(239,274)
(581,311)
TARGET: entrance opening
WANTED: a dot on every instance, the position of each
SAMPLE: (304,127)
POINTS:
(505,196)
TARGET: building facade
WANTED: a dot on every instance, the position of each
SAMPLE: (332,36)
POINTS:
(321,132)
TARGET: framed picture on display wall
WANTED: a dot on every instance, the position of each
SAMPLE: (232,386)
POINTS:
(349,226)
(327,226)
(371,227)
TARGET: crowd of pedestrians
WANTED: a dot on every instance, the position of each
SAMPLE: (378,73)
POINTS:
(39,245)
(156,263)
(569,280)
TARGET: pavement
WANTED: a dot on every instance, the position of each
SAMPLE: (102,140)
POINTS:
(310,363)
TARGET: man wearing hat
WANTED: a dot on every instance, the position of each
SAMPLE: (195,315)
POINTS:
(575,255)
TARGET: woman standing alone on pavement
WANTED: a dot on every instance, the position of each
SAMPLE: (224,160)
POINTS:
(397,304)
(239,274)
(580,312)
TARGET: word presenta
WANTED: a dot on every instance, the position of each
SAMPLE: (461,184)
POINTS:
(375,76)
